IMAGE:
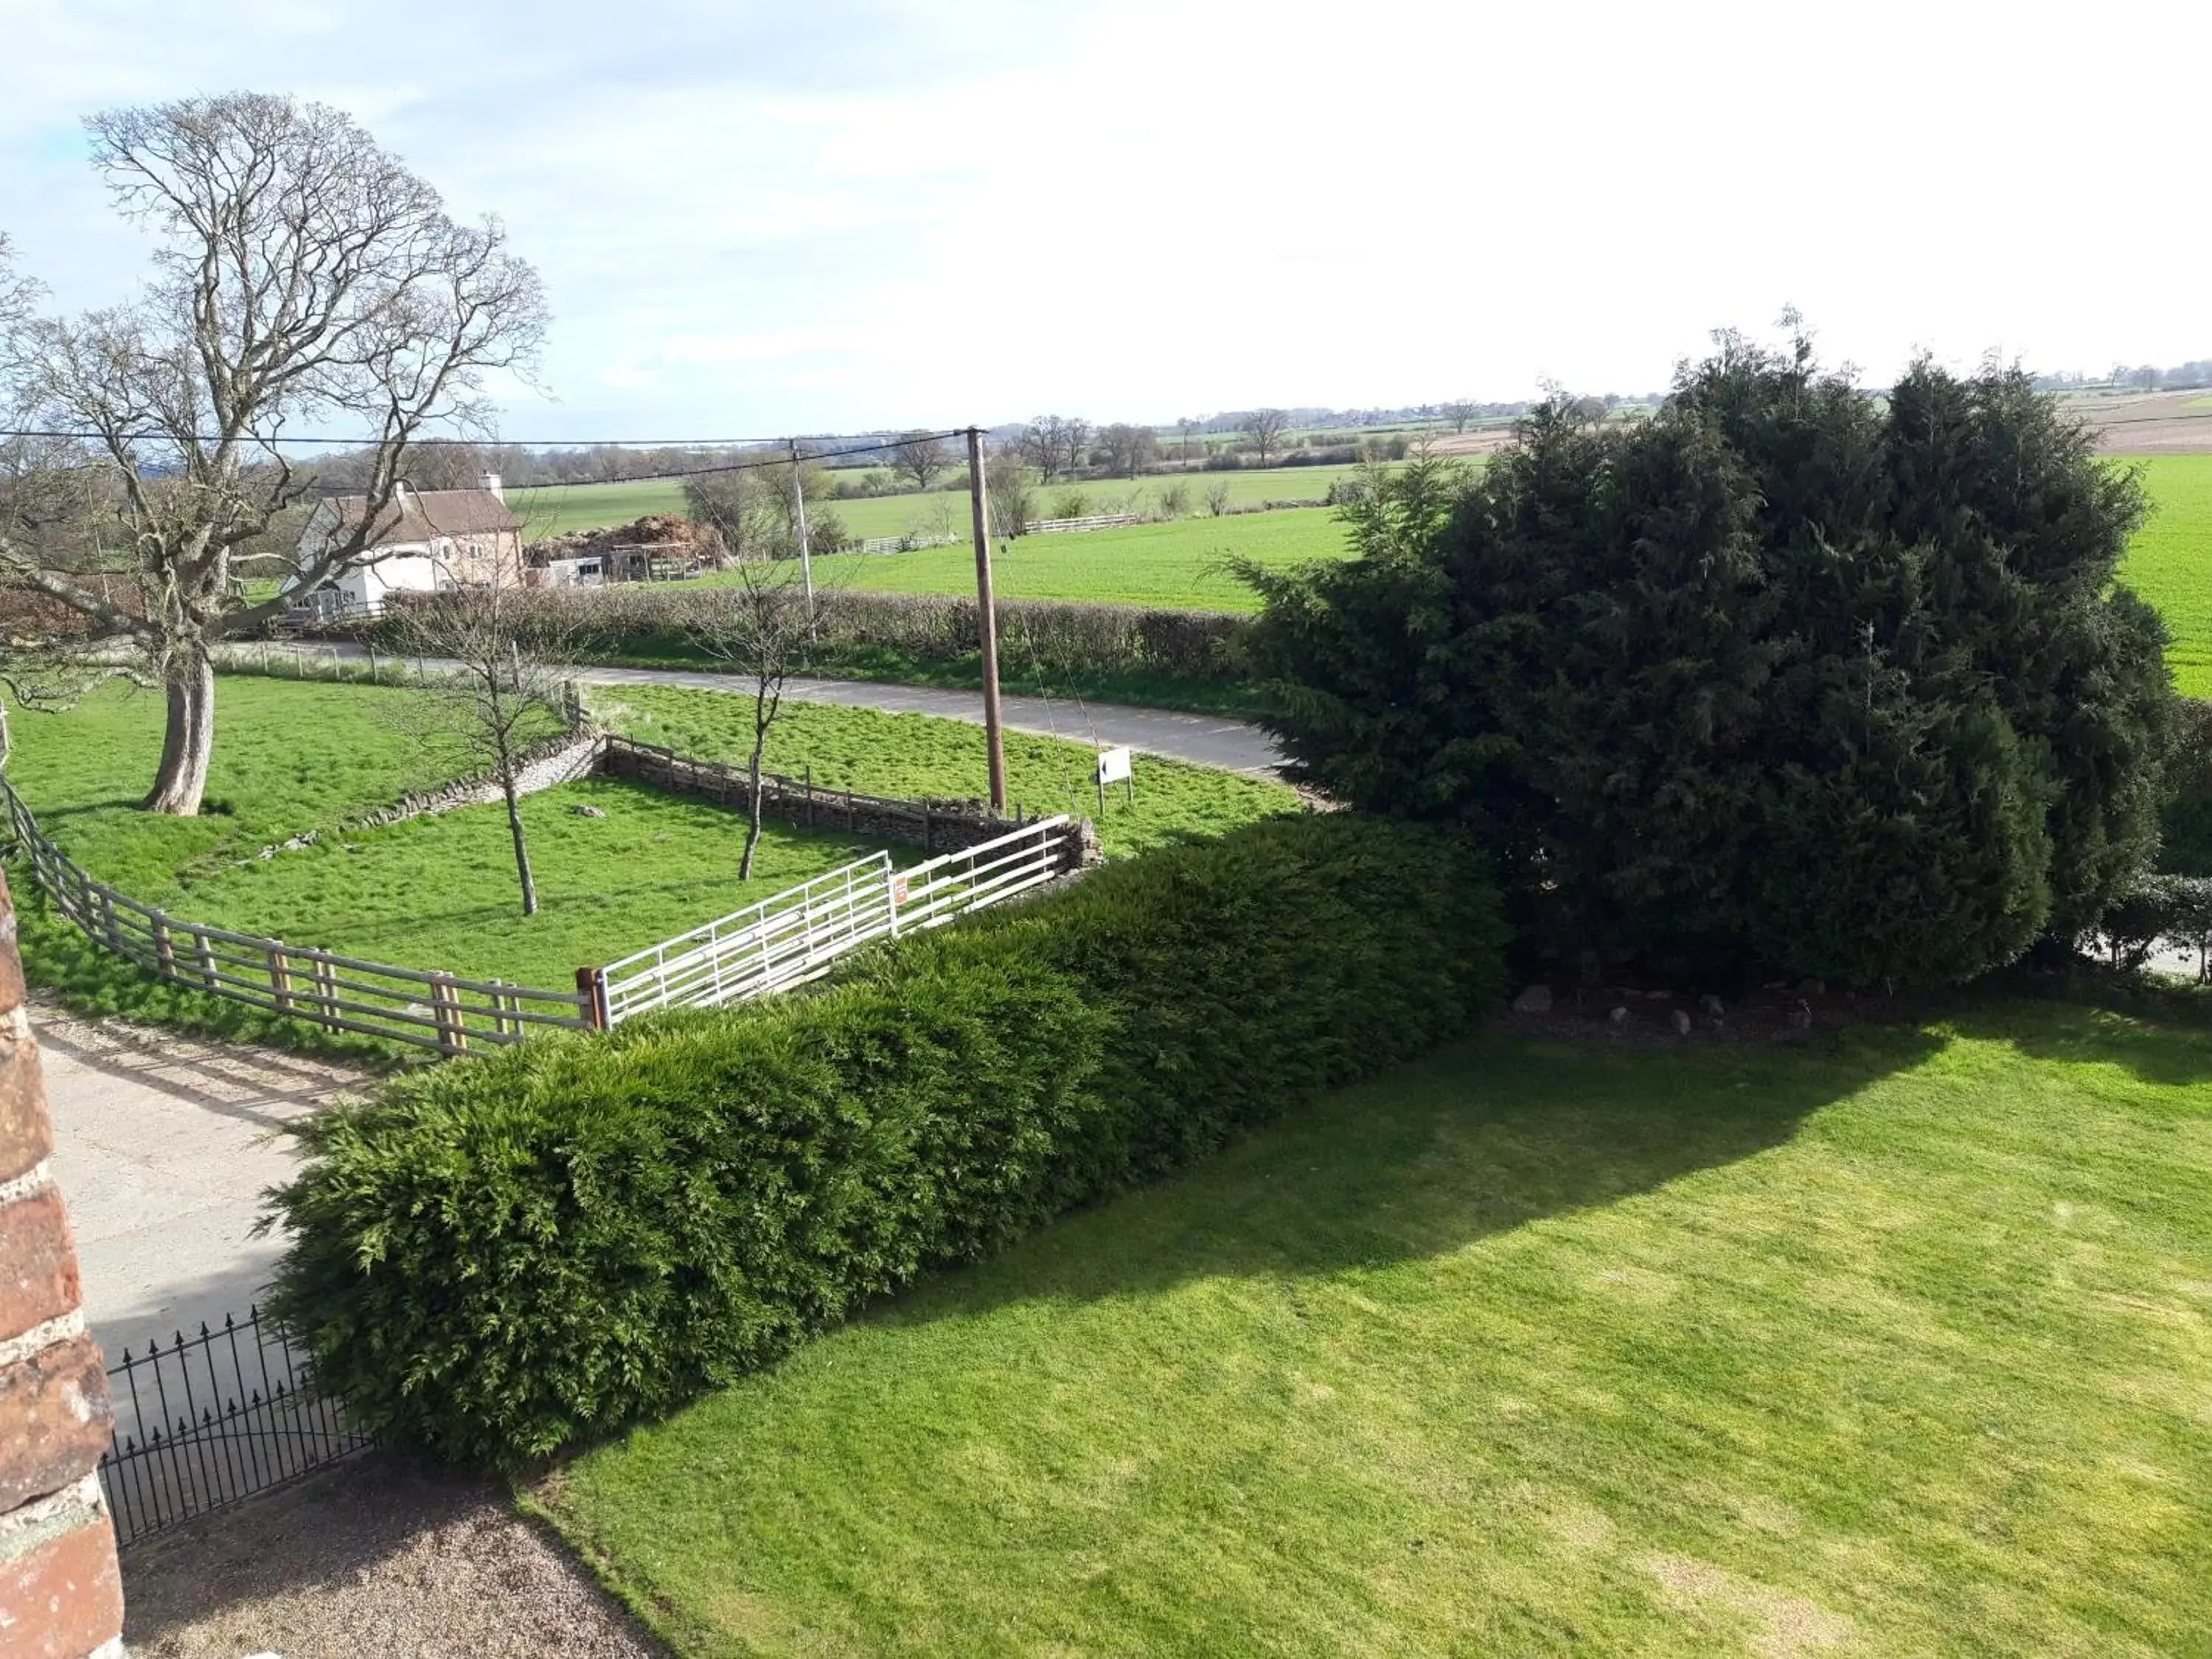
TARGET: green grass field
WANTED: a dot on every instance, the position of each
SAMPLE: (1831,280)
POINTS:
(918,755)
(1178,566)
(1897,1343)
(440,892)
(2170,562)
(589,506)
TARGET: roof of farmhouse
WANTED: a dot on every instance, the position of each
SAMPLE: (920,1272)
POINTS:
(429,514)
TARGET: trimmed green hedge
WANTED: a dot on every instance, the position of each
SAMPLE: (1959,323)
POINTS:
(499,1257)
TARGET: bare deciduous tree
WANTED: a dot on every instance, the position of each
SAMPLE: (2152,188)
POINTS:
(1264,428)
(1461,412)
(758,627)
(920,457)
(501,688)
(1053,444)
(1008,493)
(302,275)
(1129,449)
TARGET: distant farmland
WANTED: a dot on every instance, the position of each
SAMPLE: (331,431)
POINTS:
(589,506)
(1177,567)
(1179,564)
(2171,563)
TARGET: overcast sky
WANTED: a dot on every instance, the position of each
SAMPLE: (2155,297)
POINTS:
(843,214)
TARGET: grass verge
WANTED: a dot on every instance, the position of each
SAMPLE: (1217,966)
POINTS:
(1891,1344)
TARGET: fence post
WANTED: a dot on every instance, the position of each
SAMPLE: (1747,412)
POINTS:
(592,986)
(326,992)
(445,1003)
(205,952)
(280,975)
(165,950)
(115,929)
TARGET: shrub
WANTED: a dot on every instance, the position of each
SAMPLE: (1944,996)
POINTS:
(509,1254)
(2158,907)
(1780,675)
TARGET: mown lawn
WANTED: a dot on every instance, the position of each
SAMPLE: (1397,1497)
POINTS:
(1897,1343)
(919,755)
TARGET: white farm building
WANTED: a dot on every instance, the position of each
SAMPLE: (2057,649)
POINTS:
(425,539)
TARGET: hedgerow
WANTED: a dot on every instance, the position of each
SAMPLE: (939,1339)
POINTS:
(503,1256)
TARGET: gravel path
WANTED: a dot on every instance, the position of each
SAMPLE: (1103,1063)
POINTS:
(378,1559)
(163,1146)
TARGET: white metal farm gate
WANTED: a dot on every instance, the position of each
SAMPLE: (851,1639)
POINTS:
(795,936)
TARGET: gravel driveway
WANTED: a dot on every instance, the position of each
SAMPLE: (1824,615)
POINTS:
(380,1559)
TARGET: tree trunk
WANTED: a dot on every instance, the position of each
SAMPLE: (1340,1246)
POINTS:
(753,832)
(179,785)
(522,846)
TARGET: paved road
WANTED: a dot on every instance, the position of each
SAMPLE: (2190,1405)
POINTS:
(163,1147)
(1207,739)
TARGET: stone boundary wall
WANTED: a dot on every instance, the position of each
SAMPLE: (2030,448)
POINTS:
(61,1592)
(933,825)
(561,759)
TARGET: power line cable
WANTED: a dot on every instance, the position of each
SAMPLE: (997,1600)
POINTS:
(506,443)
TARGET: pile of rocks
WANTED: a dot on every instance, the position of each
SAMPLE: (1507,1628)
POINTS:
(679,536)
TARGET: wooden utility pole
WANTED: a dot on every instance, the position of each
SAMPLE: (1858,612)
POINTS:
(798,521)
(987,615)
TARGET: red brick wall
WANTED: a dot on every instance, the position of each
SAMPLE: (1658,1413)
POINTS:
(60,1595)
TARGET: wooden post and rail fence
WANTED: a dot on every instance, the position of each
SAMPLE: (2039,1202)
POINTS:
(784,940)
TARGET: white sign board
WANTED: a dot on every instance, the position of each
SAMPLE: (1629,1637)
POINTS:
(1113,766)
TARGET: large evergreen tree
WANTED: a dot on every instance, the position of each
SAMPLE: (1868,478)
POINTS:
(1784,674)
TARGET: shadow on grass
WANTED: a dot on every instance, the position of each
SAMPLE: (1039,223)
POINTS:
(1476,1140)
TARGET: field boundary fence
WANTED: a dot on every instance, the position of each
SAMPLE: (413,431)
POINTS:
(798,934)
(906,543)
(1094,521)
(431,1010)
(209,1421)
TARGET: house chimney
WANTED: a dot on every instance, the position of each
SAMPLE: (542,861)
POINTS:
(490,484)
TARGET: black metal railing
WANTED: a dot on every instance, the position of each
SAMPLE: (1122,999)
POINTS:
(211,1420)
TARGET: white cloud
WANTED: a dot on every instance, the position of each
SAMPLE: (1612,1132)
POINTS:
(757,217)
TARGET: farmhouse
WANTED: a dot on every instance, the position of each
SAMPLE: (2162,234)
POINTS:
(426,539)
